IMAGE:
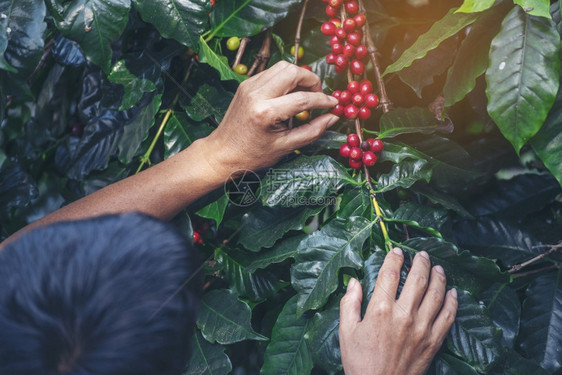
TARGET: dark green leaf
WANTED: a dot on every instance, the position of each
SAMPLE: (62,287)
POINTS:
(95,24)
(473,336)
(321,255)
(411,120)
(306,180)
(515,364)
(17,189)
(445,200)
(540,336)
(225,319)
(328,141)
(180,132)
(355,202)
(263,226)
(247,17)
(404,175)
(423,217)
(134,87)
(220,63)
(463,270)
(182,20)
(441,30)
(323,339)
(522,75)
(448,365)
(215,211)
(505,309)
(210,101)
(278,253)
(207,358)
(288,352)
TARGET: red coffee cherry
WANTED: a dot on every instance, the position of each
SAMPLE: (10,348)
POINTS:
(377,146)
(344,150)
(369,159)
(328,28)
(345,97)
(358,100)
(340,33)
(334,39)
(352,7)
(354,38)
(365,146)
(353,87)
(349,50)
(336,94)
(371,100)
(336,21)
(355,153)
(357,67)
(197,238)
(364,113)
(307,67)
(349,25)
(360,20)
(338,110)
(353,140)
(337,48)
(355,164)
(335,3)
(331,58)
(340,69)
(342,61)
(361,52)
(366,87)
(331,11)
(351,111)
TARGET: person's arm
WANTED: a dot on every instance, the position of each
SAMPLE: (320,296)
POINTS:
(251,136)
(397,336)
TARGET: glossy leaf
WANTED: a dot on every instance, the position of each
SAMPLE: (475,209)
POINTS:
(539,8)
(355,202)
(247,17)
(404,175)
(283,250)
(541,321)
(180,132)
(207,358)
(323,339)
(426,218)
(215,210)
(67,52)
(410,120)
(287,353)
(522,75)
(263,226)
(220,63)
(17,188)
(448,365)
(473,336)
(95,24)
(321,255)
(225,319)
(182,20)
(443,199)
(515,364)
(505,309)
(441,30)
(303,181)
(210,101)
(134,87)
(473,6)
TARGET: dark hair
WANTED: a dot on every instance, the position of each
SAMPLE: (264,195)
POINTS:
(97,296)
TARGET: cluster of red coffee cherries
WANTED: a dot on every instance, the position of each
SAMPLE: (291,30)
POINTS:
(346,37)
(356,101)
(360,153)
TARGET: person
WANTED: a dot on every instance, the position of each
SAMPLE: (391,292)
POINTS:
(395,336)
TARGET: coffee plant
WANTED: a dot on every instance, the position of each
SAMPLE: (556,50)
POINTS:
(465,108)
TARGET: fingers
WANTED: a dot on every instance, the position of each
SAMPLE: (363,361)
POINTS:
(289,105)
(350,305)
(416,283)
(304,134)
(283,78)
(433,299)
(446,317)
(388,278)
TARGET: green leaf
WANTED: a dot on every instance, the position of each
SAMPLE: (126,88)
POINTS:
(515,364)
(306,180)
(404,175)
(423,217)
(95,24)
(448,365)
(441,30)
(473,6)
(471,60)
(182,20)
(134,87)
(255,286)
(277,254)
(247,17)
(220,63)
(21,34)
(180,132)
(210,101)
(135,132)
(540,336)
(463,269)
(207,358)
(355,202)
(539,8)
(505,309)
(320,256)
(411,120)
(215,211)
(445,200)
(288,352)
(262,226)
(473,336)
(522,75)
(323,339)
(225,319)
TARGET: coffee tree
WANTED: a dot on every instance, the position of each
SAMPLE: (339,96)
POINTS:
(450,141)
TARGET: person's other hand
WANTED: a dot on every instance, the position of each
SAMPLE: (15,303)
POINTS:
(252,135)
(396,336)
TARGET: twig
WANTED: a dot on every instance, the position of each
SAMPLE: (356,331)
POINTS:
(240,53)
(297,44)
(44,56)
(552,249)
(385,101)
(263,55)
(548,268)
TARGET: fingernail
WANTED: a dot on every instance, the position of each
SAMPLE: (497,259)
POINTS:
(454,293)
(351,284)
(397,251)
(440,270)
(424,254)
(333,120)
(334,100)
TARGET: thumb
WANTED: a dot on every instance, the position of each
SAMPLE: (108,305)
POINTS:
(307,133)
(350,305)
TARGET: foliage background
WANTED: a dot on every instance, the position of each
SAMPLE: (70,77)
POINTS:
(85,86)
